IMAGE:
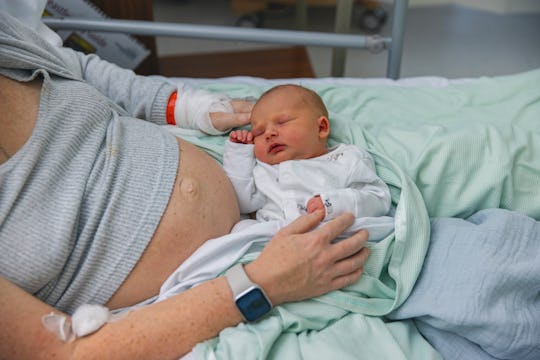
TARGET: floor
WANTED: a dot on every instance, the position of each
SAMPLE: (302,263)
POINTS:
(450,41)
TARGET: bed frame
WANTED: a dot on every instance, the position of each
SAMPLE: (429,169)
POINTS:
(337,41)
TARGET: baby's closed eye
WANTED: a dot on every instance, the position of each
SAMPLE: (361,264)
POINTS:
(257,132)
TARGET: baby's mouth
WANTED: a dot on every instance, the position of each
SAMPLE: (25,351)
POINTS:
(275,148)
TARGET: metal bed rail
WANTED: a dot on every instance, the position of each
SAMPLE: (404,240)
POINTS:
(374,43)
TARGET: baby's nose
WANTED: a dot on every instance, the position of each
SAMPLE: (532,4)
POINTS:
(270,132)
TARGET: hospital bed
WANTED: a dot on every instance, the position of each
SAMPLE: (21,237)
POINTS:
(449,150)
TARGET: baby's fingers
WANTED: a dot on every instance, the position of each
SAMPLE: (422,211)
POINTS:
(233,136)
(247,137)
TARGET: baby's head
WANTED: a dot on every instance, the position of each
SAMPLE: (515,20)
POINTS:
(289,122)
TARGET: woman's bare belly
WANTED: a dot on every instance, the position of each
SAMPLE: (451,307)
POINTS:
(203,206)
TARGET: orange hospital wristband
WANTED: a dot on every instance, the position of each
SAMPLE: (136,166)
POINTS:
(169,115)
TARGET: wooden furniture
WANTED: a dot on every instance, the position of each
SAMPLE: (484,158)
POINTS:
(274,63)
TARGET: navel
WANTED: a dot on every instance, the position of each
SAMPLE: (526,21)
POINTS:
(189,187)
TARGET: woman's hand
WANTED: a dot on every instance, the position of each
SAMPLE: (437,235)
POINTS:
(300,262)
(240,116)
(212,113)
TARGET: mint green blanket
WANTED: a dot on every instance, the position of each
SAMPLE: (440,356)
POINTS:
(447,151)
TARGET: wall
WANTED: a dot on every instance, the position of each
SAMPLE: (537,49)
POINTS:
(497,6)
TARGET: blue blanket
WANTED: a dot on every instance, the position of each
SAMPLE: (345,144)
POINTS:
(488,305)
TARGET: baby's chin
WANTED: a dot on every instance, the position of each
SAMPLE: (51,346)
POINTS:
(275,159)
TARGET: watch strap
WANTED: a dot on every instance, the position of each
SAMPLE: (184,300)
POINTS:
(238,280)
(241,286)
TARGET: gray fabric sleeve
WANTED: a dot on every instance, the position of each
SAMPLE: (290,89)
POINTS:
(139,96)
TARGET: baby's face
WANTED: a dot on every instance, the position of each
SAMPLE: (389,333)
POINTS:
(286,128)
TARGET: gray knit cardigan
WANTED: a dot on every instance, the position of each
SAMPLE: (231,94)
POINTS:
(80,201)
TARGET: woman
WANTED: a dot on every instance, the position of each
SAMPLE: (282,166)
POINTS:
(97,206)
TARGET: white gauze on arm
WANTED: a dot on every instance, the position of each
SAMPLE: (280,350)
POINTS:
(193,107)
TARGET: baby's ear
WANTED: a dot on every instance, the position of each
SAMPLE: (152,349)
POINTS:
(324,127)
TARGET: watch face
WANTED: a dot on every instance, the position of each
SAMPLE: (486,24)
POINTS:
(253,304)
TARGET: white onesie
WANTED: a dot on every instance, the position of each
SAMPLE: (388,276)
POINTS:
(344,178)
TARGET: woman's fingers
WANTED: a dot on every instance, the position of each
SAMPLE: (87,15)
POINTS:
(303,261)
(348,255)
(240,116)
(347,279)
(352,263)
(334,227)
(350,246)
(303,224)
(328,233)
(241,106)
(223,121)
(347,271)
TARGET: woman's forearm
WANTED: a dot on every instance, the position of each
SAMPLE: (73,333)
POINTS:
(168,329)
(165,330)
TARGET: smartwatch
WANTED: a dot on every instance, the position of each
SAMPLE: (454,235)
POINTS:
(250,298)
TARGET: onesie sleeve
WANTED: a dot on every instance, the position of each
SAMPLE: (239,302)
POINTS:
(365,195)
(239,162)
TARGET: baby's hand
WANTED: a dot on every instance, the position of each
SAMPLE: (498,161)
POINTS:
(314,204)
(241,137)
